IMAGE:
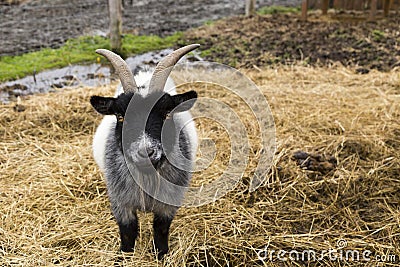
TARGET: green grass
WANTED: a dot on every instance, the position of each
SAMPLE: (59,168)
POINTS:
(277,9)
(79,50)
(378,35)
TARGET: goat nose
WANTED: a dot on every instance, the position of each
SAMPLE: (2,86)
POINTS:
(148,152)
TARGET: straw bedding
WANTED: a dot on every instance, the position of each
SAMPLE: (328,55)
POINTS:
(54,207)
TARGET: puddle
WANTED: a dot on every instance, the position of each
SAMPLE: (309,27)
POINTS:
(72,76)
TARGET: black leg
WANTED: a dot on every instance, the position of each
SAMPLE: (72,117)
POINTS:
(128,233)
(161,226)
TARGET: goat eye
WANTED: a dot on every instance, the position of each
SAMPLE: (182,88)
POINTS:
(120,118)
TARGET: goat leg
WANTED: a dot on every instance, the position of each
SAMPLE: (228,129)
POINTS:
(161,225)
(128,233)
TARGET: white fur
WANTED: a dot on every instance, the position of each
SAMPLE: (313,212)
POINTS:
(99,140)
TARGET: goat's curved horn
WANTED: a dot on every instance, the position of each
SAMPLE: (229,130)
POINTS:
(122,69)
(163,68)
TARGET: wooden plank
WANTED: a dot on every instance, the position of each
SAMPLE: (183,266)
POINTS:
(338,4)
(386,7)
(304,7)
(358,5)
(250,7)
(324,7)
(115,8)
(372,12)
(349,5)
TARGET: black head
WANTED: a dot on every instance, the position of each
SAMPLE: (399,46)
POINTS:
(151,117)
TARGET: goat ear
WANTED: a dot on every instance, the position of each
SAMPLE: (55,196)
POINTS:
(103,105)
(184,102)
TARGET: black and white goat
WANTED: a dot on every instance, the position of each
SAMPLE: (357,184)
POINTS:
(166,141)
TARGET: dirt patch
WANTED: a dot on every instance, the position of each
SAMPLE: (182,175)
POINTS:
(49,23)
(344,38)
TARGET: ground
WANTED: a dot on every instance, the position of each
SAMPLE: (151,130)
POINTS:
(54,207)
(49,23)
(341,38)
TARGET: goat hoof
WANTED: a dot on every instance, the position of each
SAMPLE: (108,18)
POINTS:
(127,249)
(161,254)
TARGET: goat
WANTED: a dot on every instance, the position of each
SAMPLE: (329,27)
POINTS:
(155,175)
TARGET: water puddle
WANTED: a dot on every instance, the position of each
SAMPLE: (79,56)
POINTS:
(72,76)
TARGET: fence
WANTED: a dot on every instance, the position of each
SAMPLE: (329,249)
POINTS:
(371,5)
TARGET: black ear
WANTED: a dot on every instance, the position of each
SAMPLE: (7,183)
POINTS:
(103,105)
(184,102)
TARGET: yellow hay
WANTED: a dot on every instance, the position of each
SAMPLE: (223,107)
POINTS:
(54,208)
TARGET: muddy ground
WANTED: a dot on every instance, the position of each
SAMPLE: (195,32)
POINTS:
(345,38)
(49,23)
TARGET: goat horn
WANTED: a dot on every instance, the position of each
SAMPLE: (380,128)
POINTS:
(163,68)
(122,69)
